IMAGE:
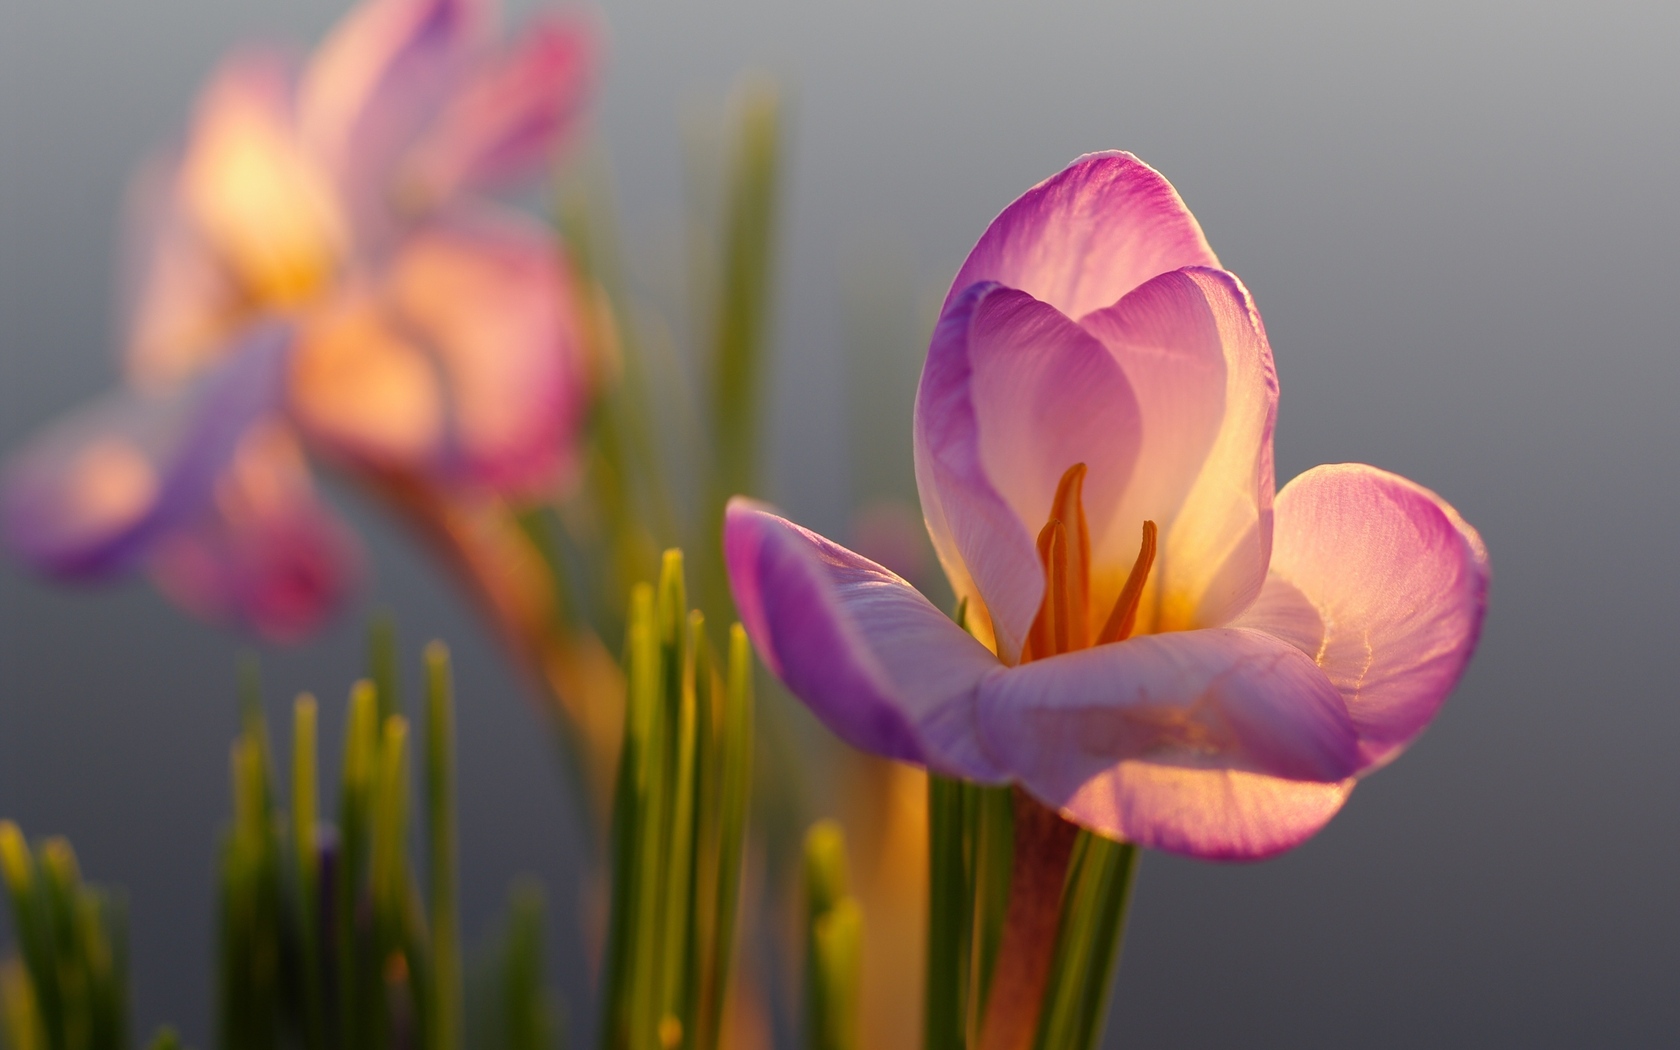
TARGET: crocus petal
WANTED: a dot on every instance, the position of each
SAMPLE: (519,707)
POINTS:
(364,391)
(1012,395)
(377,80)
(1194,348)
(1214,814)
(1214,699)
(1385,586)
(180,301)
(511,119)
(85,497)
(492,301)
(877,663)
(253,193)
(1086,236)
(264,555)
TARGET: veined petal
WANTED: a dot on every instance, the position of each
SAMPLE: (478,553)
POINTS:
(85,498)
(1214,814)
(492,301)
(1382,583)
(253,192)
(1087,235)
(1193,347)
(1012,395)
(1217,699)
(264,554)
(512,117)
(376,82)
(870,657)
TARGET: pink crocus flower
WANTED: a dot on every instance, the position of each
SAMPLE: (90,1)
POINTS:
(1158,647)
(317,268)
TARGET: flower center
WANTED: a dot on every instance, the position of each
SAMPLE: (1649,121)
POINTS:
(1063,623)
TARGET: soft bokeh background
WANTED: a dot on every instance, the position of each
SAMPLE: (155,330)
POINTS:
(1460,223)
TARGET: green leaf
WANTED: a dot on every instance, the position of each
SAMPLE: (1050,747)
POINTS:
(1095,903)
(991,846)
(730,779)
(382,664)
(629,939)
(950,917)
(833,953)
(306,862)
(165,1039)
(740,320)
(512,1009)
(442,851)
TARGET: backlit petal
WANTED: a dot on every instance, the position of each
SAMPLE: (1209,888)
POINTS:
(1194,349)
(88,494)
(181,300)
(1216,699)
(265,554)
(376,82)
(363,390)
(492,301)
(251,190)
(1214,814)
(513,116)
(1385,586)
(1013,394)
(877,663)
(1086,236)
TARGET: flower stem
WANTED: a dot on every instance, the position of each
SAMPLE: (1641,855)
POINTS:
(1043,846)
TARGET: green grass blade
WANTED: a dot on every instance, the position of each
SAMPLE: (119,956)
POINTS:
(512,1007)
(32,924)
(389,812)
(361,750)
(1101,876)
(382,664)
(742,311)
(733,779)
(740,320)
(950,916)
(165,1039)
(676,949)
(443,859)
(21,1025)
(306,867)
(833,927)
(631,868)
(991,817)
(837,939)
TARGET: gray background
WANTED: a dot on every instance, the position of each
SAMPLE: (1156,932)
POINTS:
(1460,223)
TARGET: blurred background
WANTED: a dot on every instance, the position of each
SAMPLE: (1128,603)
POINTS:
(1459,221)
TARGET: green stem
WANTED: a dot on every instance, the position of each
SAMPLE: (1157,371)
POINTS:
(1098,897)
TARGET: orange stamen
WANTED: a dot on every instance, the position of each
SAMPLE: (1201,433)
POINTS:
(1124,617)
(1064,549)
(1069,507)
(1049,634)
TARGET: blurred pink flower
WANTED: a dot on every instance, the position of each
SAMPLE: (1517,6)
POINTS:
(1160,650)
(316,267)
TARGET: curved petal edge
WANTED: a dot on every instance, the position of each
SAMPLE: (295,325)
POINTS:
(1385,585)
(1087,235)
(871,658)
